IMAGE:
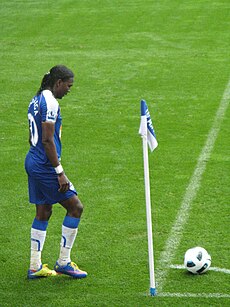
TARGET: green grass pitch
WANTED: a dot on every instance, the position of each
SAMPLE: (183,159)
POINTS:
(174,54)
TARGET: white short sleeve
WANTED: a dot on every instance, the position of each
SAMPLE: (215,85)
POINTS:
(51,105)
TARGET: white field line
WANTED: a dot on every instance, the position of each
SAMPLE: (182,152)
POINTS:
(181,267)
(176,233)
(194,295)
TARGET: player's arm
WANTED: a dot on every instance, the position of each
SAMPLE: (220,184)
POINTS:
(48,129)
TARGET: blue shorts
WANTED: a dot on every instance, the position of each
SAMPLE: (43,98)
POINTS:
(43,184)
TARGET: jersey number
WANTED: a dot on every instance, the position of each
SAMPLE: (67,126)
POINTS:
(33,130)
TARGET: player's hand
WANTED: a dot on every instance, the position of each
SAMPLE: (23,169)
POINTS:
(63,183)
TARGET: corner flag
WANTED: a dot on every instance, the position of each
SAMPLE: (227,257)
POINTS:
(146,127)
(149,138)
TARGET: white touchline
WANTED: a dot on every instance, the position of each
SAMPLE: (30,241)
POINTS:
(203,295)
(181,267)
(176,233)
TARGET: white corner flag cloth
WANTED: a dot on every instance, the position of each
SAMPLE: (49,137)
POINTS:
(146,127)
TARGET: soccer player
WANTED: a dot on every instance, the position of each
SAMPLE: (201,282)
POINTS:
(47,181)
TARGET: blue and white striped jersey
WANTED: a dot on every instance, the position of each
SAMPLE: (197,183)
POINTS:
(43,108)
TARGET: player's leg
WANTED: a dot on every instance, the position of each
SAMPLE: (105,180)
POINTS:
(43,189)
(74,209)
(38,236)
(70,224)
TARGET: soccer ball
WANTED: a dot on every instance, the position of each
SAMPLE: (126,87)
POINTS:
(197,260)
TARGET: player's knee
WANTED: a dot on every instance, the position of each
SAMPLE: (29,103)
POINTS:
(43,213)
(73,207)
(77,208)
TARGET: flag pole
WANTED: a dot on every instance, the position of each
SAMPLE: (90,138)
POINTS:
(147,133)
(149,216)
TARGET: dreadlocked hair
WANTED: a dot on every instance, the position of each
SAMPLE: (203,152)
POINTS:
(57,72)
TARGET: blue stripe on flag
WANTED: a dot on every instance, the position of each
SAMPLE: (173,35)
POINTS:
(143,107)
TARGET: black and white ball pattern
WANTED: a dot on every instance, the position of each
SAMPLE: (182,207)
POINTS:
(197,260)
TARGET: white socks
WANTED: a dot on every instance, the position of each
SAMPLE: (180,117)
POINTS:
(68,238)
(37,242)
(38,236)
